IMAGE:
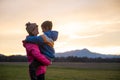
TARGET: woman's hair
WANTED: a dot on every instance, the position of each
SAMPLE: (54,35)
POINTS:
(47,25)
(28,24)
(30,27)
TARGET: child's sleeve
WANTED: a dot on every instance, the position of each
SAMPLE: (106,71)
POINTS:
(35,39)
(55,35)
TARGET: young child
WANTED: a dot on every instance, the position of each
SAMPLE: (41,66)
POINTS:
(45,43)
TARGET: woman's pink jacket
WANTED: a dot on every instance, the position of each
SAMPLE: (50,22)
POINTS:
(33,52)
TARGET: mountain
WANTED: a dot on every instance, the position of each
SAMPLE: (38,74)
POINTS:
(1,55)
(85,53)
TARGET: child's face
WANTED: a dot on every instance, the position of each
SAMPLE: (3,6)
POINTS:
(35,31)
(44,29)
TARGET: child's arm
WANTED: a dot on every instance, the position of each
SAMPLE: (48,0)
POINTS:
(39,40)
(35,39)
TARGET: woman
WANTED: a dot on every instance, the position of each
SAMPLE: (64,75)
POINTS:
(33,53)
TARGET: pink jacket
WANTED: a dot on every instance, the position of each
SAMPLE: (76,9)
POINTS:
(33,52)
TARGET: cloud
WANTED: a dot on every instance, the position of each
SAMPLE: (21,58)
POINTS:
(93,23)
(107,39)
(84,37)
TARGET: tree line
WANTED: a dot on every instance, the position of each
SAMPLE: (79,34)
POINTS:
(85,59)
(19,58)
(13,58)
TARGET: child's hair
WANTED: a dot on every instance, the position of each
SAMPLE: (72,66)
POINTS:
(47,25)
(30,27)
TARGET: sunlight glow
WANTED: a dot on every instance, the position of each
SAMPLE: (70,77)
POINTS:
(106,50)
(71,28)
(79,23)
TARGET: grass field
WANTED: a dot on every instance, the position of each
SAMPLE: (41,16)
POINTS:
(64,71)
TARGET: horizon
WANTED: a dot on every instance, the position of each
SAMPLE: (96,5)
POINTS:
(64,52)
(91,24)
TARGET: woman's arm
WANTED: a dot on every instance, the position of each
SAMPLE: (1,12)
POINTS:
(39,56)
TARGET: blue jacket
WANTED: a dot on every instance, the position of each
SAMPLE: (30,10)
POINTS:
(47,50)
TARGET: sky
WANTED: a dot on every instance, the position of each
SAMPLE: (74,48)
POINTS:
(91,24)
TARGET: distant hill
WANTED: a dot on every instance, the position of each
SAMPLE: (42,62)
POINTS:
(85,53)
(1,55)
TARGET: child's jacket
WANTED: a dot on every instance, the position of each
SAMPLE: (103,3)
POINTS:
(44,47)
(33,53)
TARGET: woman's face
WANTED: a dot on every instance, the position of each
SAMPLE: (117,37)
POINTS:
(35,31)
